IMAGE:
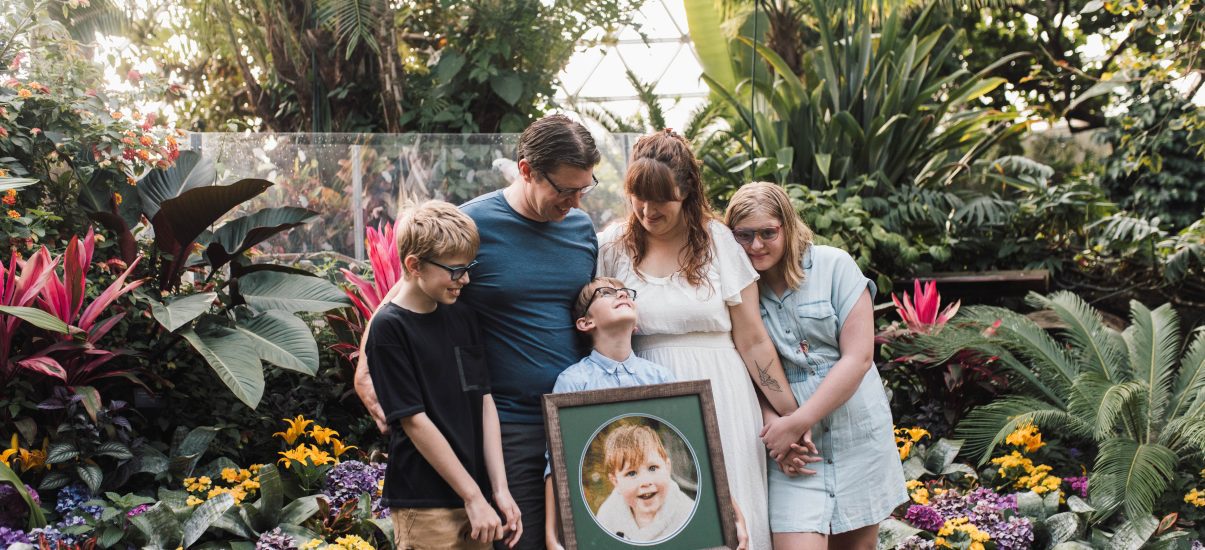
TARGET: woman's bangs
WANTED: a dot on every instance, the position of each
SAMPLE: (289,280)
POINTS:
(650,180)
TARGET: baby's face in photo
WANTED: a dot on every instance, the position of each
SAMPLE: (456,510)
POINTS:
(644,486)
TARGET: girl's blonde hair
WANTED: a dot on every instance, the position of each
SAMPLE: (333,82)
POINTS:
(762,197)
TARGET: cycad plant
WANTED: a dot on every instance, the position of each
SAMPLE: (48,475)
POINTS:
(1137,395)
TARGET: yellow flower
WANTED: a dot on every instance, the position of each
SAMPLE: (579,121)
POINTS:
(296,428)
(255,468)
(339,448)
(1196,498)
(117,198)
(905,449)
(193,501)
(233,475)
(322,435)
(312,544)
(1026,436)
(297,454)
(920,496)
(14,214)
(319,456)
(916,433)
(352,542)
(912,484)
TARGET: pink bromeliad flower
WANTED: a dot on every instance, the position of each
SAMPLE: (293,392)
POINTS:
(921,311)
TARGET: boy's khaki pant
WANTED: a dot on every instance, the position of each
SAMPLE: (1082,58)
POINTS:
(433,528)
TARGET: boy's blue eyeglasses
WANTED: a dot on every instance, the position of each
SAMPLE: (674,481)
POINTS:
(455,272)
(566,192)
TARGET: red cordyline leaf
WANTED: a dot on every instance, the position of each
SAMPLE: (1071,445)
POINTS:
(106,298)
(44,365)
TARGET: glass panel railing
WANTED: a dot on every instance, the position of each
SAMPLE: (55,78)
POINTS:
(356,181)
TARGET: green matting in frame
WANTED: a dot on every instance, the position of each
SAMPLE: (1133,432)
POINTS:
(575,420)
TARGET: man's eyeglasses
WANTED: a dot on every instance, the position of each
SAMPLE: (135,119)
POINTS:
(566,192)
(766,234)
(610,292)
(455,272)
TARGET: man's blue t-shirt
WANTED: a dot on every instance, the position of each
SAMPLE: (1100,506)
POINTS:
(523,292)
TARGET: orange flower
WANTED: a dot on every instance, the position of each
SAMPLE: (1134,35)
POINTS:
(116,115)
(10,196)
(130,180)
(24,94)
(117,197)
(145,140)
(14,214)
(142,154)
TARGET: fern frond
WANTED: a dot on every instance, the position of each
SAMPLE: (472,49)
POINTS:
(1191,380)
(986,426)
(1153,339)
(1136,472)
(353,21)
(1098,350)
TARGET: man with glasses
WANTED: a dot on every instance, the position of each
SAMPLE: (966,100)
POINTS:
(537,251)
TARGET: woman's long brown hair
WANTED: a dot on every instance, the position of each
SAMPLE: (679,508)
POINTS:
(662,163)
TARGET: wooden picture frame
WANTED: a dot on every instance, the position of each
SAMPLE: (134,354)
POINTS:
(682,417)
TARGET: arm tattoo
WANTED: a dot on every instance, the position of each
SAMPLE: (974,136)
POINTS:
(767,381)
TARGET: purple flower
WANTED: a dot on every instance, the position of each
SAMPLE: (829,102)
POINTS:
(137,510)
(1078,484)
(71,500)
(9,537)
(275,540)
(924,517)
(13,509)
(1196,545)
(1002,502)
(1015,534)
(352,478)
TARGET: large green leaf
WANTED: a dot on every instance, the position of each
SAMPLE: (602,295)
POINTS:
(268,290)
(300,510)
(36,317)
(159,524)
(203,516)
(36,517)
(271,496)
(705,25)
(186,451)
(283,340)
(190,171)
(240,234)
(180,220)
(180,310)
(1153,339)
(233,357)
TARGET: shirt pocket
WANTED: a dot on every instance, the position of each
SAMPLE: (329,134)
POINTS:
(470,362)
(818,323)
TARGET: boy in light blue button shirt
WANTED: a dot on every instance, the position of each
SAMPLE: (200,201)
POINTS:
(605,313)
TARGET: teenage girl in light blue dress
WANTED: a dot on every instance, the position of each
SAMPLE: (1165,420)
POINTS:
(817,307)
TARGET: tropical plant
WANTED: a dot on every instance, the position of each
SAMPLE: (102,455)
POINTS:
(1130,393)
(366,294)
(874,105)
(254,319)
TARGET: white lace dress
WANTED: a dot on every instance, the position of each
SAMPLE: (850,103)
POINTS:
(688,330)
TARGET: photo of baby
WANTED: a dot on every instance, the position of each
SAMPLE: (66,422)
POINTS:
(640,479)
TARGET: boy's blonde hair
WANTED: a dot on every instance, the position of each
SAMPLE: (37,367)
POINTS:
(435,229)
(767,198)
(587,292)
(627,444)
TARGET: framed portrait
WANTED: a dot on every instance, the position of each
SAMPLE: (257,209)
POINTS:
(639,467)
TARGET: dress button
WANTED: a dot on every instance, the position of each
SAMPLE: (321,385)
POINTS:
(833,495)
(779,306)
(830,461)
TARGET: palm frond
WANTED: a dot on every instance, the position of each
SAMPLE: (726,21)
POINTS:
(1132,473)
(1192,377)
(1153,339)
(1185,435)
(102,17)
(353,21)
(985,427)
(1090,337)
(1114,404)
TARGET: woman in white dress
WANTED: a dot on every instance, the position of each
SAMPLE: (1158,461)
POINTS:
(699,308)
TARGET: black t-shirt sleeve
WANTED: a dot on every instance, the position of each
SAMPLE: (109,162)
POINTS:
(394,376)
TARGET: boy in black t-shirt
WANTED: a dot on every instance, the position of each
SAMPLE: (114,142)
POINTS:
(427,364)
